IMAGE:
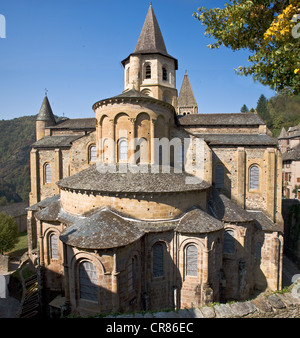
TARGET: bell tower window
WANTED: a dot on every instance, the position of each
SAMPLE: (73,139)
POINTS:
(148,72)
(164,74)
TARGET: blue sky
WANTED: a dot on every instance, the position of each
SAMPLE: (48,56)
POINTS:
(74,49)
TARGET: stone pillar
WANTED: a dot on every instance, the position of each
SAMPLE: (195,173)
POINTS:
(65,308)
(241,182)
(278,215)
(207,291)
(57,168)
(270,183)
(112,147)
(34,177)
(114,285)
(152,145)
(131,142)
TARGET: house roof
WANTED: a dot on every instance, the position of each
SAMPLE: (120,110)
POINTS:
(224,209)
(102,230)
(100,178)
(292,154)
(15,209)
(46,113)
(238,139)
(56,141)
(230,119)
(83,123)
(186,96)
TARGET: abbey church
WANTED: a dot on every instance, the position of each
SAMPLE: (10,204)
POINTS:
(123,218)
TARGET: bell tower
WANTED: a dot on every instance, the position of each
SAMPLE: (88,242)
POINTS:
(150,69)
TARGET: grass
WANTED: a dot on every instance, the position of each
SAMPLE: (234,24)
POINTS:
(21,247)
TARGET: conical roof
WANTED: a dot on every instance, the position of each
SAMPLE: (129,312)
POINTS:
(283,133)
(46,113)
(151,39)
(186,95)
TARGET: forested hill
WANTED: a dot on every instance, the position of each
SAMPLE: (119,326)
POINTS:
(17,136)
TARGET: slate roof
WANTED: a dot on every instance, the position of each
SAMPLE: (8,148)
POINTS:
(292,154)
(186,96)
(102,230)
(15,209)
(230,119)
(46,113)
(151,40)
(283,133)
(238,139)
(71,124)
(105,228)
(264,223)
(198,221)
(56,141)
(99,178)
(226,210)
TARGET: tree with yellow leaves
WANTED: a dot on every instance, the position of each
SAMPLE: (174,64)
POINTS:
(270,30)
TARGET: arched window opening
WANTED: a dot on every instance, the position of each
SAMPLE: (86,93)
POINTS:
(123,150)
(219,176)
(191,262)
(93,154)
(229,241)
(88,281)
(47,169)
(164,74)
(53,246)
(158,260)
(148,72)
(254,177)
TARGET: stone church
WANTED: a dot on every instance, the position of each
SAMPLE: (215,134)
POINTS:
(120,222)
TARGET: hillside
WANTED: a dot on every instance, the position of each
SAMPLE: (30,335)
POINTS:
(17,136)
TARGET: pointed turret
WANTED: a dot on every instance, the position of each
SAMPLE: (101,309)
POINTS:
(150,69)
(283,133)
(186,101)
(44,119)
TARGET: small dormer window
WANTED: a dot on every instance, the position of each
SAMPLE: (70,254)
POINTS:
(164,74)
(148,72)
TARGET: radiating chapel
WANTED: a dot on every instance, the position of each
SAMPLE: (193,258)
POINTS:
(121,221)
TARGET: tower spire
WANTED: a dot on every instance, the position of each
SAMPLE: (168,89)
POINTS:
(186,99)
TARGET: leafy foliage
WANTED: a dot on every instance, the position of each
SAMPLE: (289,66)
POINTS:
(266,29)
(8,233)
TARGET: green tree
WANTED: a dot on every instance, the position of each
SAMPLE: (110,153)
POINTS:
(262,110)
(268,29)
(8,233)
(244,109)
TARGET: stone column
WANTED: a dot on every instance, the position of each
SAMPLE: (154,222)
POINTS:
(270,183)
(278,215)
(34,177)
(152,145)
(131,141)
(114,285)
(112,143)
(241,182)
(57,168)
(207,292)
(65,308)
